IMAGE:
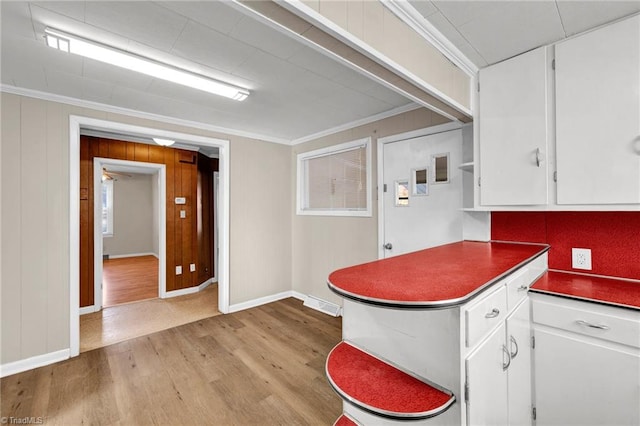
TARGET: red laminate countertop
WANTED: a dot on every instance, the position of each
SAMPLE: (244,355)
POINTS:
(438,277)
(609,291)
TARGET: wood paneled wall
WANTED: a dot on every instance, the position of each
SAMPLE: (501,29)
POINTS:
(189,240)
(205,221)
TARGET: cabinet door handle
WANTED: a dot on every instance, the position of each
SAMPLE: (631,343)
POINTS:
(588,324)
(523,287)
(539,157)
(494,313)
(513,343)
(506,364)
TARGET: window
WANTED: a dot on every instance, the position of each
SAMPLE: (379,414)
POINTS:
(107,208)
(336,181)
(440,165)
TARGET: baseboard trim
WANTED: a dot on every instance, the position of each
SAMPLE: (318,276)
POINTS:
(122,256)
(15,367)
(298,295)
(87,309)
(181,292)
(206,284)
(188,290)
(262,301)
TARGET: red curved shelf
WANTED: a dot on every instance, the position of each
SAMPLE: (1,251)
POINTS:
(377,387)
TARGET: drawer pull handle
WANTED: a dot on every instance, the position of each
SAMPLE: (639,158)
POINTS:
(494,313)
(506,364)
(588,324)
(513,342)
(523,287)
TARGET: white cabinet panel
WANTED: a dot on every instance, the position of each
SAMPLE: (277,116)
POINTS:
(582,382)
(487,381)
(598,116)
(519,371)
(513,130)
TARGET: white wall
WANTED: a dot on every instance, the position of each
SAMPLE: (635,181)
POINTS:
(35,214)
(322,244)
(132,217)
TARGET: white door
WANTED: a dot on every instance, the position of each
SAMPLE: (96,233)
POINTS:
(426,215)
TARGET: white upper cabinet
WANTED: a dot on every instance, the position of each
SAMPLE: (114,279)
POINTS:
(598,116)
(513,131)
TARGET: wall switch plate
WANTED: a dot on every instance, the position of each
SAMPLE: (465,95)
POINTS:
(181,200)
(192,267)
(183,214)
(178,270)
(581,258)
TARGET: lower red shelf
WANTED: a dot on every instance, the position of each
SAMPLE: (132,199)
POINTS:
(345,420)
(380,388)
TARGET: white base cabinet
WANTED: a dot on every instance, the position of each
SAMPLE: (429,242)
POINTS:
(587,363)
(480,350)
(487,391)
(498,373)
(518,340)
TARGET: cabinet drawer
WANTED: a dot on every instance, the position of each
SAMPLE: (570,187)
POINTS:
(484,315)
(589,319)
(517,287)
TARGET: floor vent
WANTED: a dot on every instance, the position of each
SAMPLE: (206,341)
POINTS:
(323,306)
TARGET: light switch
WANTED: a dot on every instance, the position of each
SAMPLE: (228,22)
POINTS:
(183,214)
(178,270)
(181,200)
(192,267)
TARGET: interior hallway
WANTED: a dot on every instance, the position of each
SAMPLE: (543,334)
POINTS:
(127,321)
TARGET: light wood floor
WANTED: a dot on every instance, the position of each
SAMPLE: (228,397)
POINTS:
(129,279)
(262,366)
(122,322)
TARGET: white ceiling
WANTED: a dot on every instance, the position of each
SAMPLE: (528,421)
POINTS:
(295,91)
(487,32)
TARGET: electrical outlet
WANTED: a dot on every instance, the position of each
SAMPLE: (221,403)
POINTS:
(178,270)
(192,267)
(581,258)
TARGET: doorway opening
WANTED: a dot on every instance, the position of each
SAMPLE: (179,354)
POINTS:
(192,143)
(129,231)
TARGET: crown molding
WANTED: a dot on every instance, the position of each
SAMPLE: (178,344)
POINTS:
(407,13)
(4,88)
(357,123)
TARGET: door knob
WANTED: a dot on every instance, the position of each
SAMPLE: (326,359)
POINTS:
(388,246)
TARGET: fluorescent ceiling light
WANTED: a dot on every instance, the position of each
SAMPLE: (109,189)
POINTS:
(164,142)
(89,49)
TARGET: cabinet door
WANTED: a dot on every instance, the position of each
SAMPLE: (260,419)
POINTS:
(581,381)
(513,131)
(519,372)
(598,116)
(487,381)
